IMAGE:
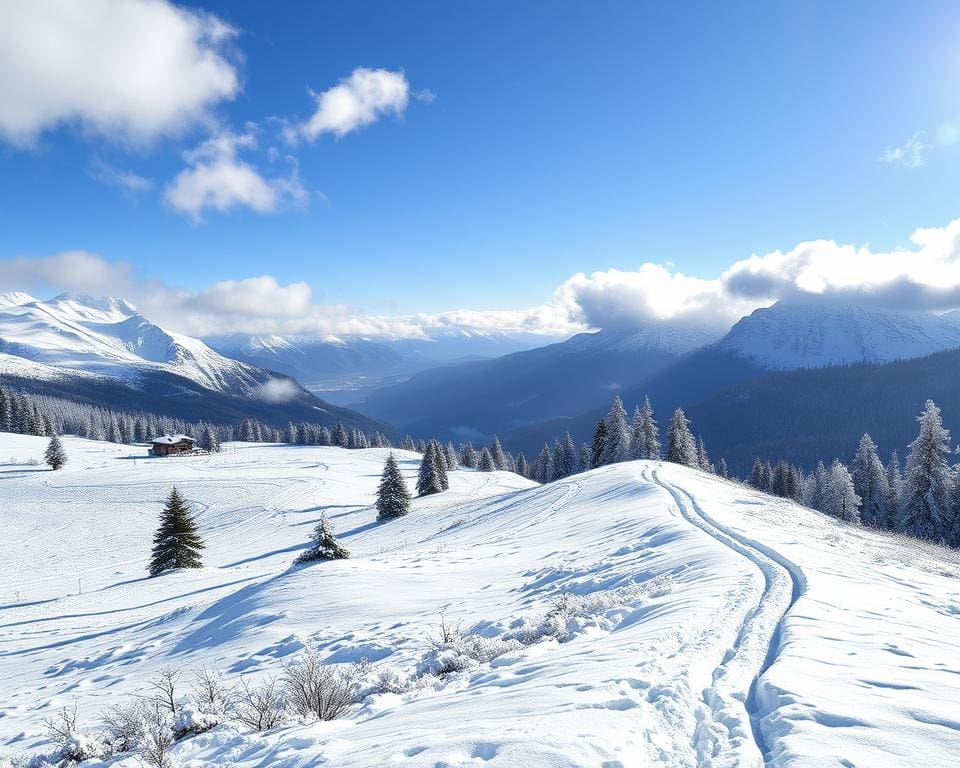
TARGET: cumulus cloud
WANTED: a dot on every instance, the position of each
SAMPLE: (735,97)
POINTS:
(217,178)
(910,154)
(126,69)
(356,101)
(923,276)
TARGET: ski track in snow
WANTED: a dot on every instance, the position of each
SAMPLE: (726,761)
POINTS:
(783,585)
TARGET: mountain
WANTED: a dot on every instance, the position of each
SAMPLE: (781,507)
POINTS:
(791,335)
(102,351)
(477,399)
(345,369)
(821,413)
(817,332)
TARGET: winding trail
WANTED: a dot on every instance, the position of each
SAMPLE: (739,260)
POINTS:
(737,681)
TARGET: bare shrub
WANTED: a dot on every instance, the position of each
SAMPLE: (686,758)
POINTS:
(164,687)
(261,707)
(157,736)
(73,744)
(318,690)
(210,692)
(124,725)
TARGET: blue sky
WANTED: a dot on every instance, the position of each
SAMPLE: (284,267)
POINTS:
(539,140)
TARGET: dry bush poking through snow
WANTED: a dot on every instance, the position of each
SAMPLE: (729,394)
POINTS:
(261,707)
(318,690)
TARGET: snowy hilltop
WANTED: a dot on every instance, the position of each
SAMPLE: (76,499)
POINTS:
(638,614)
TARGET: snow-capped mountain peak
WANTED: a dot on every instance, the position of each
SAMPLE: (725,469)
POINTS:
(816,332)
(108,336)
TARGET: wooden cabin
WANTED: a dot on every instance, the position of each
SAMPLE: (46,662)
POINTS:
(167,445)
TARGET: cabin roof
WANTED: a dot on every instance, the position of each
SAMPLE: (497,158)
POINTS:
(171,439)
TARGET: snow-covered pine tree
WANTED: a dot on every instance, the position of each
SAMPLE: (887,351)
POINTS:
(523,466)
(177,543)
(681,447)
(596,449)
(585,454)
(616,441)
(393,498)
(209,440)
(496,453)
(485,464)
(323,545)
(468,456)
(722,469)
(452,461)
(428,478)
(870,484)
(55,455)
(645,438)
(571,455)
(440,459)
(839,498)
(543,469)
(895,489)
(703,458)
(814,487)
(928,481)
(339,437)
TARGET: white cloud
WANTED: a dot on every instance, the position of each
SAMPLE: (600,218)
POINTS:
(278,391)
(126,69)
(357,101)
(910,154)
(218,179)
(128,181)
(924,276)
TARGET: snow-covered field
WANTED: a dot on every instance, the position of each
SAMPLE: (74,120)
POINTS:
(665,592)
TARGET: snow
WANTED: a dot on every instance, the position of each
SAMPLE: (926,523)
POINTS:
(170,439)
(619,617)
(816,332)
(106,336)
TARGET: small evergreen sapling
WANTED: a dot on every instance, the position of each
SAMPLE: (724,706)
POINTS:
(55,456)
(176,544)
(393,498)
(323,545)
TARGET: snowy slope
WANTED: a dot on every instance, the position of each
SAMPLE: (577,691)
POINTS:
(685,588)
(815,332)
(108,336)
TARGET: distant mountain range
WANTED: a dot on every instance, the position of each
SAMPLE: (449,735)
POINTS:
(793,345)
(103,351)
(344,370)
(477,399)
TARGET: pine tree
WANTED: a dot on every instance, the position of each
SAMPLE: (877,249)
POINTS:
(323,545)
(440,459)
(645,440)
(870,483)
(895,492)
(523,467)
(839,498)
(486,461)
(616,442)
(468,456)
(428,478)
(570,455)
(543,469)
(55,455)
(927,484)
(599,438)
(393,498)
(496,453)
(703,458)
(209,440)
(339,437)
(176,544)
(451,453)
(681,447)
(722,469)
